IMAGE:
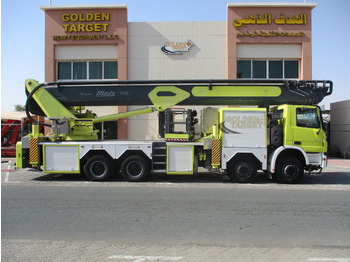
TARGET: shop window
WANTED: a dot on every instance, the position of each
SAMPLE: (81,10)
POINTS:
(110,70)
(244,69)
(259,69)
(80,70)
(275,69)
(291,69)
(95,70)
(64,70)
(267,69)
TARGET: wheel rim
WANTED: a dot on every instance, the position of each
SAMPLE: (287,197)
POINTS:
(134,168)
(291,171)
(98,169)
(244,170)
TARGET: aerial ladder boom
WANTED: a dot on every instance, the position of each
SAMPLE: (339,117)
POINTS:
(166,93)
(61,101)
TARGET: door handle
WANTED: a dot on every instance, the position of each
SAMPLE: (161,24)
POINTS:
(297,142)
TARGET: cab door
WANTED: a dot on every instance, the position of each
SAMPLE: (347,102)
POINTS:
(308,132)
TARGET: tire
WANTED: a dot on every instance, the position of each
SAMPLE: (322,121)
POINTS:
(134,168)
(289,170)
(98,168)
(242,170)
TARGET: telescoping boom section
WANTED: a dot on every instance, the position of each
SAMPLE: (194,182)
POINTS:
(281,133)
(167,93)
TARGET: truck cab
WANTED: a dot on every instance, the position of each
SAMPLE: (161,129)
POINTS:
(303,127)
(302,135)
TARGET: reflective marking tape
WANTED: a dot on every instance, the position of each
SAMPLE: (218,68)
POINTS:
(177,139)
(216,151)
(33,150)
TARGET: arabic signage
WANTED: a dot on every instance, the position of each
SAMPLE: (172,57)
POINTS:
(270,34)
(91,23)
(176,48)
(268,19)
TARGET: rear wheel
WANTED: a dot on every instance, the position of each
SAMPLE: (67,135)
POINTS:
(134,168)
(289,170)
(242,170)
(98,168)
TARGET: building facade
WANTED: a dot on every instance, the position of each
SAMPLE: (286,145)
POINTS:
(340,129)
(257,41)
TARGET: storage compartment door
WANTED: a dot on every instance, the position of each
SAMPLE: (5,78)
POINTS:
(180,160)
(61,159)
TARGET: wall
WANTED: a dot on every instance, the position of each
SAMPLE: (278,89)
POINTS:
(273,24)
(205,60)
(340,127)
(68,28)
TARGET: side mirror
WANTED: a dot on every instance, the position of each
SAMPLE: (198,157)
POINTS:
(325,125)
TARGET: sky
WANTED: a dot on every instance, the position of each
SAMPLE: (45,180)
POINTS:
(23,35)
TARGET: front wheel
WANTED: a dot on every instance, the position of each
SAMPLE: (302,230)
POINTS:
(98,168)
(134,168)
(289,170)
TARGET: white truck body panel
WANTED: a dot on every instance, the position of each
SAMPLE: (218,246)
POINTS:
(114,148)
(244,131)
(315,158)
(244,128)
(229,153)
(65,156)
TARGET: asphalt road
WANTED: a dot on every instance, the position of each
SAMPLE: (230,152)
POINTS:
(197,218)
(180,215)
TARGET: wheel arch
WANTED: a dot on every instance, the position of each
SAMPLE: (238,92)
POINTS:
(287,151)
(92,153)
(120,159)
(128,153)
(245,155)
